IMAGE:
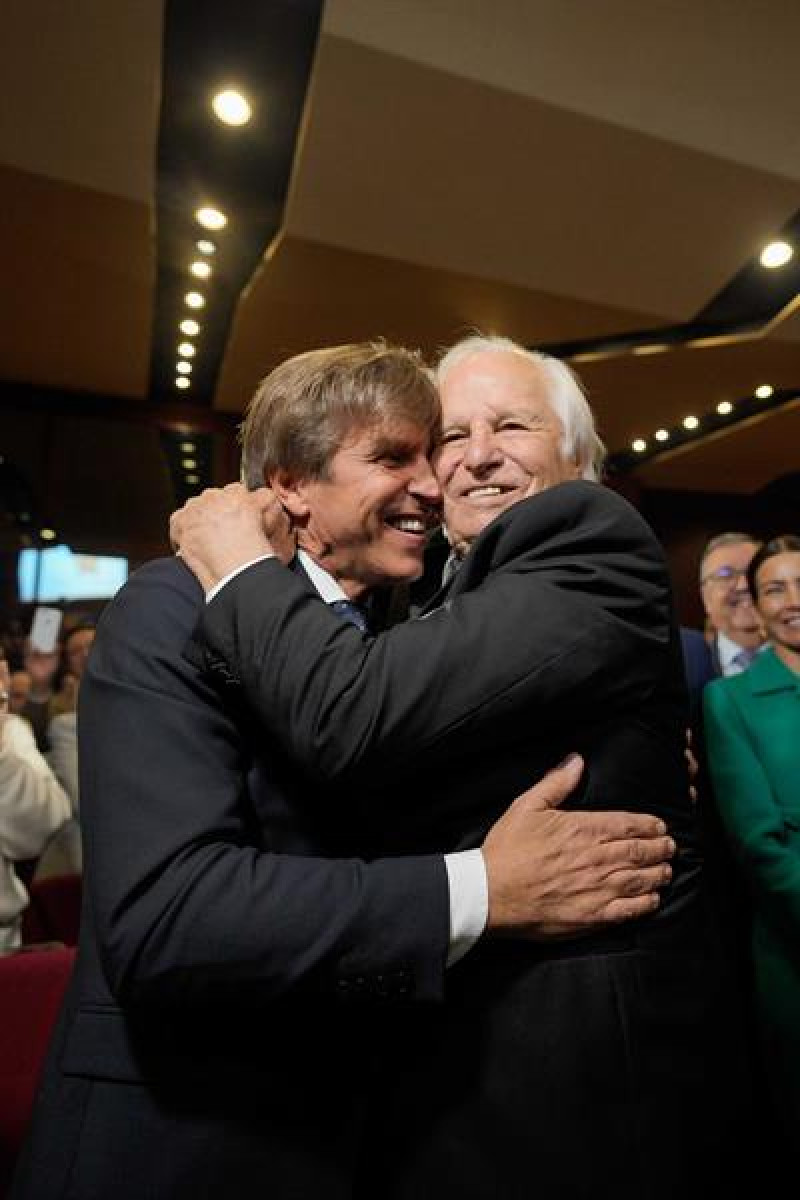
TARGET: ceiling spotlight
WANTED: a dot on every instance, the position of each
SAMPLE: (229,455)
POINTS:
(690,422)
(194,299)
(205,246)
(186,350)
(182,382)
(211,218)
(201,270)
(189,327)
(189,464)
(662,435)
(231,107)
(776,254)
(192,478)
(724,408)
(184,368)
(764,391)
(639,445)
(187,447)
(47,535)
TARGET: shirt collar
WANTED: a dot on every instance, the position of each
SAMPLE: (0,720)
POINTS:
(727,650)
(329,590)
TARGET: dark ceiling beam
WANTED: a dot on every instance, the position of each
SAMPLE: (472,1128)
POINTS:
(747,306)
(266,49)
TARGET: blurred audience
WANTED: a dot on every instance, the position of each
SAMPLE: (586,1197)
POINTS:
(33,807)
(19,691)
(752,725)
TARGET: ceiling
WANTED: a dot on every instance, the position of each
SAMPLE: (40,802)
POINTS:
(561,171)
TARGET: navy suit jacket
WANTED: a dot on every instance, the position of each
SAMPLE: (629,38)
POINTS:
(233,978)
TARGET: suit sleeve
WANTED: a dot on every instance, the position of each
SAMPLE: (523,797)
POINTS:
(754,820)
(562,610)
(189,904)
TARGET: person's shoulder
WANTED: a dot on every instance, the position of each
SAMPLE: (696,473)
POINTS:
(17,734)
(582,514)
(162,595)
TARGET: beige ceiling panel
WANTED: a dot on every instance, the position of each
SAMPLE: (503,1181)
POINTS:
(77,287)
(307,295)
(407,162)
(81,82)
(717,76)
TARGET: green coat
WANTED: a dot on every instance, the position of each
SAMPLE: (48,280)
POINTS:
(752,724)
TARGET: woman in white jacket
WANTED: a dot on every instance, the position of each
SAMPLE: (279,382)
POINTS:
(33,806)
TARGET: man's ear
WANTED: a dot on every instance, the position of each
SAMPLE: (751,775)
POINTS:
(292,494)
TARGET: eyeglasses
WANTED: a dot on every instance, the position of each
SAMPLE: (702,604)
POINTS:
(725,575)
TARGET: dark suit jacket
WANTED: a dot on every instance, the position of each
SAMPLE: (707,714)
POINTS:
(590,1067)
(216,1038)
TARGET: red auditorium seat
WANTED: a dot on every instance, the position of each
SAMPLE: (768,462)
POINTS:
(32,983)
(53,914)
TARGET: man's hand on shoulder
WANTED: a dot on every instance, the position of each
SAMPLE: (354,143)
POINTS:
(555,874)
(224,528)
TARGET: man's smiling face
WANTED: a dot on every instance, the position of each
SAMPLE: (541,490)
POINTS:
(368,520)
(501,440)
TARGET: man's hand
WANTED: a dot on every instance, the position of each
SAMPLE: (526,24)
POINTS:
(556,874)
(224,528)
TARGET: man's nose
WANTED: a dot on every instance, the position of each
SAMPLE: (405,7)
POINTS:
(424,484)
(482,449)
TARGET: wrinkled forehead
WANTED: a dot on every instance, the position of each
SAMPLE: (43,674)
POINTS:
(386,428)
(493,379)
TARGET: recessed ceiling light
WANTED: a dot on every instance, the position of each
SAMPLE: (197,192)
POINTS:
(764,391)
(776,254)
(690,422)
(201,270)
(189,327)
(724,407)
(662,435)
(211,218)
(189,464)
(182,382)
(232,107)
(639,445)
(195,299)
(183,367)
(47,535)
(205,246)
(193,479)
(186,350)
(187,447)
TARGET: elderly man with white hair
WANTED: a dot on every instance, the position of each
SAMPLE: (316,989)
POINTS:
(600,1065)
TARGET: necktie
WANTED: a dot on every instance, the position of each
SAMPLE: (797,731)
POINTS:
(352,613)
(743,659)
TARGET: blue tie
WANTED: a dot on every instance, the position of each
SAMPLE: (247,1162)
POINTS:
(352,613)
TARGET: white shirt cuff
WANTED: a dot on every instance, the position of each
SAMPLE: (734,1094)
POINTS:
(469,901)
(212,592)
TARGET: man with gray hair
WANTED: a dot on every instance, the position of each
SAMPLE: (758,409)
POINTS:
(599,1066)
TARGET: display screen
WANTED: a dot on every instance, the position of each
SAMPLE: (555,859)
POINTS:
(55,573)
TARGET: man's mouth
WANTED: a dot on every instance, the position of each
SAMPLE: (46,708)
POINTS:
(486,490)
(419,526)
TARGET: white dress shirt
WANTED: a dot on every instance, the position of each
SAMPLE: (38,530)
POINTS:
(466,870)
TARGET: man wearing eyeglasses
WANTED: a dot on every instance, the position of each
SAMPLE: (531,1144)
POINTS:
(728,604)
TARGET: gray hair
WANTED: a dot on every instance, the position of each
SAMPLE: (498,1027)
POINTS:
(580,442)
(731,538)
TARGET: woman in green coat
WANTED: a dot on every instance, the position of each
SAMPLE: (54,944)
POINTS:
(752,726)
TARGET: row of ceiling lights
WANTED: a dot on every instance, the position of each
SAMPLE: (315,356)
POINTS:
(725,408)
(232,108)
(774,255)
